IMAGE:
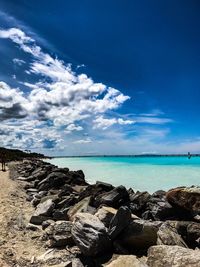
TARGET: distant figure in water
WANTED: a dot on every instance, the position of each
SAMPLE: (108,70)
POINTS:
(3,161)
(189,155)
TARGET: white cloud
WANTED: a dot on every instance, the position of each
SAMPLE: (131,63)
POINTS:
(83,141)
(18,61)
(72,127)
(104,123)
(63,98)
(153,120)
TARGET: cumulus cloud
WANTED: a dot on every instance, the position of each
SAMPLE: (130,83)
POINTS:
(62,99)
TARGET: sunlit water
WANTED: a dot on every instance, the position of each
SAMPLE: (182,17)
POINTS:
(140,173)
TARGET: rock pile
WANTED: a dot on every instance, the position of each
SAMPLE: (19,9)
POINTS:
(102,223)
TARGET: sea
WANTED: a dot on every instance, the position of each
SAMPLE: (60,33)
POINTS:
(139,173)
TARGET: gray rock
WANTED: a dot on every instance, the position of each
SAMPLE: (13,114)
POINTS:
(168,235)
(90,234)
(81,206)
(59,234)
(120,221)
(42,212)
(172,256)
(126,261)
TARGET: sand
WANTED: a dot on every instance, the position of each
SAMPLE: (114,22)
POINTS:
(18,247)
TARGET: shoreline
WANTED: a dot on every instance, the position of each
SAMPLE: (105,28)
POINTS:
(128,156)
(90,221)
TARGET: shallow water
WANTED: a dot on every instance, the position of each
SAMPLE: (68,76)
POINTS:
(140,173)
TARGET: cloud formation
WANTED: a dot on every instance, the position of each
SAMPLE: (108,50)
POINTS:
(63,99)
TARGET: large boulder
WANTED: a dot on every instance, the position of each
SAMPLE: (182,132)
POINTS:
(139,235)
(187,198)
(42,212)
(119,222)
(90,234)
(126,260)
(59,234)
(172,256)
(168,235)
(114,198)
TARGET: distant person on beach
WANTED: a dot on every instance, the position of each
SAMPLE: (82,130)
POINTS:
(3,161)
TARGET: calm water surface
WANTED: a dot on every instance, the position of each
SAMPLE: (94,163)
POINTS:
(140,173)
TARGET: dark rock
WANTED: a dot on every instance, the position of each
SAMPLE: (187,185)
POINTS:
(94,190)
(189,231)
(138,202)
(60,214)
(119,222)
(114,198)
(90,234)
(139,235)
(159,209)
(53,180)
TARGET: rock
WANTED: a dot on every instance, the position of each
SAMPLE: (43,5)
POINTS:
(193,234)
(94,190)
(138,202)
(53,180)
(59,234)
(159,209)
(126,261)
(189,231)
(81,206)
(42,212)
(168,235)
(90,234)
(105,214)
(120,221)
(159,194)
(32,227)
(172,256)
(75,263)
(60,214)
(114,198)
(187,198)
(139,235)
(46,223)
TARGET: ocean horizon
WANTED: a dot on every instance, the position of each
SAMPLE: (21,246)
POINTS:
(139,172)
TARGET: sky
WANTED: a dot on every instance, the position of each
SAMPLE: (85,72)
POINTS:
(85,77)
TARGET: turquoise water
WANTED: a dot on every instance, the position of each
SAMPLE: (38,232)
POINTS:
(140,173)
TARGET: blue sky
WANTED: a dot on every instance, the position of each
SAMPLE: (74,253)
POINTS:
(100,77)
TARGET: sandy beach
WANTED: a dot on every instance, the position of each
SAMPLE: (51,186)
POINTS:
(17,246)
